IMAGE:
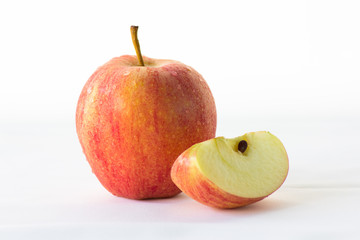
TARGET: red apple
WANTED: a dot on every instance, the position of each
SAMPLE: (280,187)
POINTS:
(136,115)
(229,173)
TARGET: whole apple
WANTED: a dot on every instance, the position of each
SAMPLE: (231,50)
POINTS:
(136,115)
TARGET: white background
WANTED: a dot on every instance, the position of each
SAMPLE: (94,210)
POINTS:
(289,67)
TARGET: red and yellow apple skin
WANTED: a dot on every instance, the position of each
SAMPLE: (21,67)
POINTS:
(134,121)
(187,176)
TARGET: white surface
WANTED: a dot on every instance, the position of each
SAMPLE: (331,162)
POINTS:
(48,191)
(290,67)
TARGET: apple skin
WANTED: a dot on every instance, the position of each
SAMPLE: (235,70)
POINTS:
(187,176)
(134,121)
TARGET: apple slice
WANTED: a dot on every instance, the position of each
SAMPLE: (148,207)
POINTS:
(229,173)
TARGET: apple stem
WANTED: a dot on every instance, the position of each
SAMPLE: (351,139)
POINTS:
(135,40)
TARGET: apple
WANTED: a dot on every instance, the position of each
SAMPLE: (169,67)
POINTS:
(230,173)
(136,115)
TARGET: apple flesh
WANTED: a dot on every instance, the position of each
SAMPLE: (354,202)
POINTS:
(134,121)
(229,173)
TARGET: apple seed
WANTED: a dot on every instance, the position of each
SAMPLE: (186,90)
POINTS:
(242,146)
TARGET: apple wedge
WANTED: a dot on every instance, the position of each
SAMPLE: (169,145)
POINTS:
(230,173)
